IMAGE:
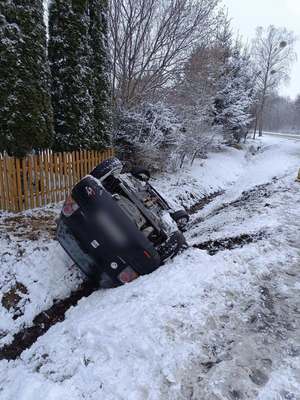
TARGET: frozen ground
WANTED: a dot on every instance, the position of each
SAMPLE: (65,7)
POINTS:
(203,327)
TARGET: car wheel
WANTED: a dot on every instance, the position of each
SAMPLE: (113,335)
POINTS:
(181,218)
(112,166)
(172,246)
(141,173)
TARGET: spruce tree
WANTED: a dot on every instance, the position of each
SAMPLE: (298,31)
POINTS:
(100,67)
(77,56)
(25,105)
(235,96)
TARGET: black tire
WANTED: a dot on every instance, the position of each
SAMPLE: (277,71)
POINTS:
(138,173)
(181,218)
(107,166)
(174,245)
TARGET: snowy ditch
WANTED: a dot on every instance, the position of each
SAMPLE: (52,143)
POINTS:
(56,313)
(220,326)
(188,198)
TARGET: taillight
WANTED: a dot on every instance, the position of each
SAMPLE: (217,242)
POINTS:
(69,207)
(127,275)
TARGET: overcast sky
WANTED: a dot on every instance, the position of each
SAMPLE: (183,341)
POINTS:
(246,15)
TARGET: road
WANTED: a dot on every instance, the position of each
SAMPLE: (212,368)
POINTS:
(289,136)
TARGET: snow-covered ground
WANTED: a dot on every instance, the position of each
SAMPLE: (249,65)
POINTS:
(209,327)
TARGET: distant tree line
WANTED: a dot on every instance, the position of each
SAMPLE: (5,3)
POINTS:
(282,114)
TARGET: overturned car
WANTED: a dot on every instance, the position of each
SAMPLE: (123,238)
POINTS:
(116,226)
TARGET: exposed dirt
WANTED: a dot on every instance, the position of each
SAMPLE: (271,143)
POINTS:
(42,322)
(29,227)
(203,202)
(257,195)
(214,246)
(11,299)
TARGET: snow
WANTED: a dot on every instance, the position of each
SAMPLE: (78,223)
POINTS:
(201,327)
(25,259)
(46,6)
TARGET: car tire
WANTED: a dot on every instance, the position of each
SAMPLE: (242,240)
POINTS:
(175,244)
(107,167)
(181,218)
(138,173)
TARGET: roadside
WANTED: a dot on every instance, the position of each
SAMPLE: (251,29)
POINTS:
(220,326)
(38,276)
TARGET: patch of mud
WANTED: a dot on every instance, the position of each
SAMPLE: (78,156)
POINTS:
(42,322)
(257,197)
(214,246)
(12,299)
(29,227)
(203,202)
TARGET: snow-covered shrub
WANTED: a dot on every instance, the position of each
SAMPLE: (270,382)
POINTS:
(149,135)
(200,136)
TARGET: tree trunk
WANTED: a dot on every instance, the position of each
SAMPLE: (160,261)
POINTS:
(260,128)
(261,116)
(255,126)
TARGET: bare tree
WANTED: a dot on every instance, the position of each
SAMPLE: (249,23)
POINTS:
(273,53)
(150,41)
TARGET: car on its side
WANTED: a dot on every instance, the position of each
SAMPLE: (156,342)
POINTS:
(116,226)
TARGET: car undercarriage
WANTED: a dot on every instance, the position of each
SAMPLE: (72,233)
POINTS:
(115,222)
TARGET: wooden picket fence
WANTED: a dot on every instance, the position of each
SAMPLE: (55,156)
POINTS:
(43,178)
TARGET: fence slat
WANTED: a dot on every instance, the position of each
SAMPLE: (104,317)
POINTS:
(56,177)
(42,177)
(77,166)
(65,174)
(19,185)
(36,181)
(6,182)
(47,177)
(2,186)
(74,178)
(51,177)
(61,177)
(69,184)
(14,190)
(25,182)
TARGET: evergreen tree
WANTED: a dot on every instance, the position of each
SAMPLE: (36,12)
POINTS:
(235,96)
(100,66)
(25,106)
(77,56)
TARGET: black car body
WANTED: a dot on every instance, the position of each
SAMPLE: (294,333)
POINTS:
(117,227)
